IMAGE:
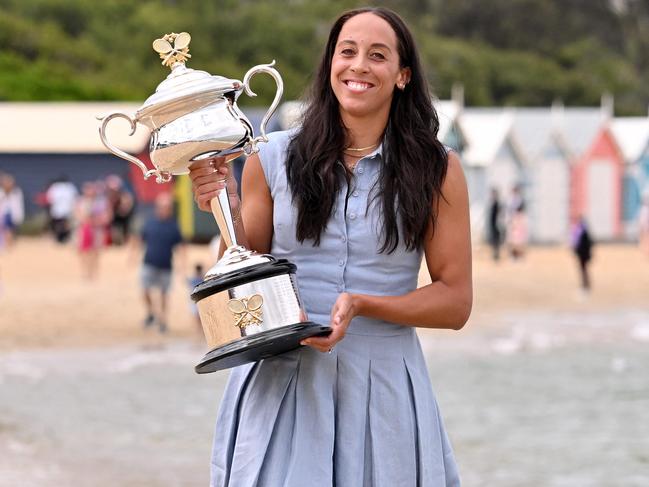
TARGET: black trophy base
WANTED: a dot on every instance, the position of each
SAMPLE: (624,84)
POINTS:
(256,347)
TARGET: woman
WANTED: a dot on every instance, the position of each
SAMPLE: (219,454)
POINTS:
(92,215)
(353,197)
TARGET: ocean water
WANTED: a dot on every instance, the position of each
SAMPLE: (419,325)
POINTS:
(540,400)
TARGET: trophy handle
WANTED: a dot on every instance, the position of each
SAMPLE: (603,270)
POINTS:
(161,176)
(264,68)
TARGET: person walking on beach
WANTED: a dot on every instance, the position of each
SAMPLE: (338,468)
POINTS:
(582,246)
(517,231)
(122,204)
(91,215)
(160,236)
(494,224)
(355,196)
(61,199)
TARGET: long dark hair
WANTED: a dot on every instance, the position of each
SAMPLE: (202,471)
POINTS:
(413,164)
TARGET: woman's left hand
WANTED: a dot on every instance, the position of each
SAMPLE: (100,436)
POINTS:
(341,315)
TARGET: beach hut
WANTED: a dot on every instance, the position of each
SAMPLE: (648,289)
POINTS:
(597,169)
(450,131)
(632,137)
(43,141)
(547,173)
(491,159)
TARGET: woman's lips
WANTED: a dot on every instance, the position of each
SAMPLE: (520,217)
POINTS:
(358,86)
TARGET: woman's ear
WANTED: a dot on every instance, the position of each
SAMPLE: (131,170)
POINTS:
(404,78)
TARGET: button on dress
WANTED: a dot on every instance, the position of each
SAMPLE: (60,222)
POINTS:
(362,416)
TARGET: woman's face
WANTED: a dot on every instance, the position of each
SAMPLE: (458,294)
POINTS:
(365,66)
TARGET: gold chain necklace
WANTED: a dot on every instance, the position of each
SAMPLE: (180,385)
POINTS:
(352,165)
(360,149)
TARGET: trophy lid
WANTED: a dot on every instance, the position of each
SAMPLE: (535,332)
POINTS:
(237,258)
(184,89)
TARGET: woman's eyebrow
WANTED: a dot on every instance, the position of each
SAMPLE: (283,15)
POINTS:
(376,44)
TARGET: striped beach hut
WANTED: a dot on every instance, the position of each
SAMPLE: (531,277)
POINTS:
(43,141)
(491,159)
(597,169)
(632,137)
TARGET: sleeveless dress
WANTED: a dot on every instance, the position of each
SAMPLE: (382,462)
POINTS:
(365,414)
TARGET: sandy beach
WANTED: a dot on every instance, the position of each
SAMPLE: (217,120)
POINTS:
(544,387)
(46,303)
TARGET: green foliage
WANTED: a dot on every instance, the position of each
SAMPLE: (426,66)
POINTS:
(514,52)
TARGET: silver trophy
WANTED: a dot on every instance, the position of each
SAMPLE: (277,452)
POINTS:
(248,303)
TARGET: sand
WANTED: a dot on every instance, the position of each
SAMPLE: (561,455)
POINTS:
(44,301)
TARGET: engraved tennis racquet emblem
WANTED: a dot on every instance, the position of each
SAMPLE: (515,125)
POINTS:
(247,311)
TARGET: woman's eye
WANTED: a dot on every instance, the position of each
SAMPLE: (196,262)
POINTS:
(347,52)
(377,55)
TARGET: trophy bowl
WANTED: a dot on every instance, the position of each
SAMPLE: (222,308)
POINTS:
(248,303)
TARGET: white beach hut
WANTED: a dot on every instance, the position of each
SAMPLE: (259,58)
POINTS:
(450,131)
(491,159)
(547,175)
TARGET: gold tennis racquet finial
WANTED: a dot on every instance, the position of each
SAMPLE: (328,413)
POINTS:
(173,48)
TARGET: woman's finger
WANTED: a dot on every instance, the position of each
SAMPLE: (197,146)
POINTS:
(324,344)
(202,180)
(209,172)
(206,167)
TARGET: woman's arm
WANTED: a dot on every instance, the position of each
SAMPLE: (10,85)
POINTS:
(445,302)
(257,207)
(253,216)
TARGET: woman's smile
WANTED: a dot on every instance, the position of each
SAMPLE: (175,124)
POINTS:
(358,86)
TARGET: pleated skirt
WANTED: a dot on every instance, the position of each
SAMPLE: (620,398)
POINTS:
(362,416)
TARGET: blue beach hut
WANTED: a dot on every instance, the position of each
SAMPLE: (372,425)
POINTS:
(632,137)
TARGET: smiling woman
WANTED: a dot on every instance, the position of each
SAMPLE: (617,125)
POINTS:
(355,196)
(365,68)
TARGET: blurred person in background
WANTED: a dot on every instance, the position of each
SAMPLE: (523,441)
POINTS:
(494,224)
(122,205)
(517,225)
(12,208)
(92,215)
(517,234)
(582,246)
(643,224)
(61,198)
(160,236)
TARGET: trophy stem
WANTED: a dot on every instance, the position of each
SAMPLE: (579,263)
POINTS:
(223,215)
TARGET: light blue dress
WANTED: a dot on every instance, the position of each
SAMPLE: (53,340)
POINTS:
(362,416)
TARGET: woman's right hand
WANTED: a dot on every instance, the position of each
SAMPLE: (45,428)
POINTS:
(209,177)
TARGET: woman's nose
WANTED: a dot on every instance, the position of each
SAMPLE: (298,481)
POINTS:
(359,65)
